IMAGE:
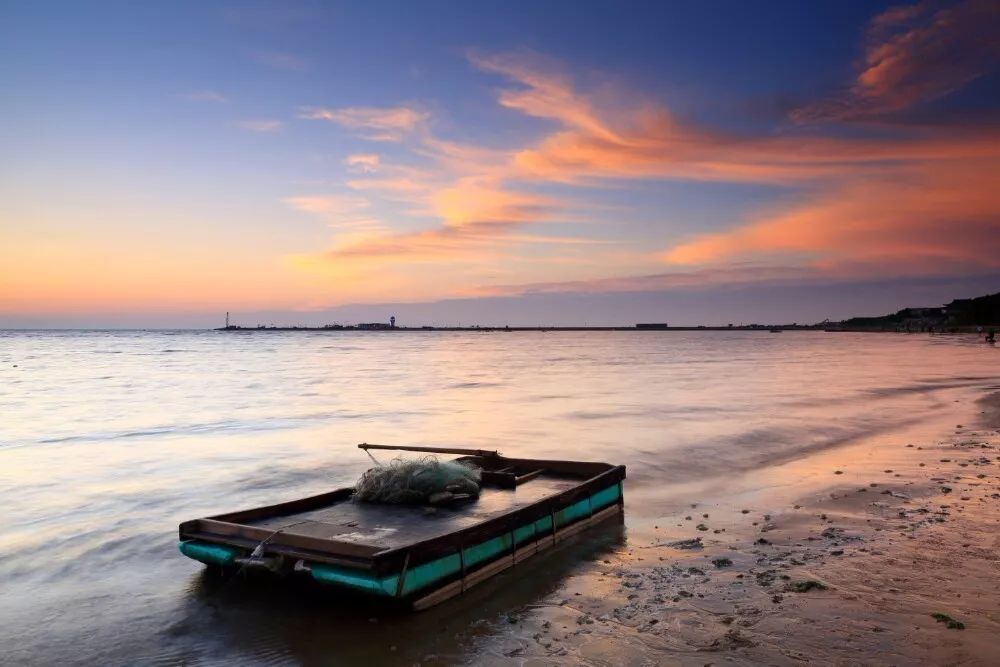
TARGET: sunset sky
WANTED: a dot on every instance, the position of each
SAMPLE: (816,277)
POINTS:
(501,162)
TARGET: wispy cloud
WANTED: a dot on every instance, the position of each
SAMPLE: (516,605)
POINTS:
(916,54)
(389,186)
(363,162)
(345,213)
(378,124)
(547,92)
(205,96)
(327,204)
(701,278)
(261,125)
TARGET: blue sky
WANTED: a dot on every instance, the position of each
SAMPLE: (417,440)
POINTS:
(180,159)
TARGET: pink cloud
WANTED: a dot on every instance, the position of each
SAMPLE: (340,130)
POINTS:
(916,54)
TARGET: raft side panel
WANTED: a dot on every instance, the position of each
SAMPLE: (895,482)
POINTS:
(391,560)
(340,541)
(421,576)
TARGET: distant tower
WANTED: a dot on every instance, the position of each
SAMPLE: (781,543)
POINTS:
(227,319)
(392,322)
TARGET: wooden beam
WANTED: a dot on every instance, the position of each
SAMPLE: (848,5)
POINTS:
(505,480)
(527,477)
(432,450)
(288,507)
(402,575)
(287,537)
(291,552)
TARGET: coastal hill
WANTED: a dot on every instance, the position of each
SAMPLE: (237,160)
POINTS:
(958,314)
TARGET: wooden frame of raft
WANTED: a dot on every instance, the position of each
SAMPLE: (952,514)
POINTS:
(425,571)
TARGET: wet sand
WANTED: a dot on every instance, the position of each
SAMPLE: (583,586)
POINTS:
(847,565)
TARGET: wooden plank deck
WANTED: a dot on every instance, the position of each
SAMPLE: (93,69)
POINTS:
(395,526)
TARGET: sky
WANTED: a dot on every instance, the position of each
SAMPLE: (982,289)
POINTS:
(495,162)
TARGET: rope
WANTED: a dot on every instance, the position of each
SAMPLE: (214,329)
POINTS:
(257,552)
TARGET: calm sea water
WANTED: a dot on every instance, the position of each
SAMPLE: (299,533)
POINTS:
(109,439)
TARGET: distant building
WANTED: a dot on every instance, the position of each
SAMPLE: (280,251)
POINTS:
(369,326)
(392,322)
(651,325)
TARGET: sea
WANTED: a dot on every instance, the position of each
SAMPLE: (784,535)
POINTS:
(109,439)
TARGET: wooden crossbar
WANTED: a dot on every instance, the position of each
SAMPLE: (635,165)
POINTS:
(433,450)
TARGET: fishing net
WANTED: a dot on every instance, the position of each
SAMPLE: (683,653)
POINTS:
(418,481)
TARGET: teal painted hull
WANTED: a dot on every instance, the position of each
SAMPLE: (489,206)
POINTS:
(210,554)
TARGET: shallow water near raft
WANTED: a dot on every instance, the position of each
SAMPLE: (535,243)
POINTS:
(109,439)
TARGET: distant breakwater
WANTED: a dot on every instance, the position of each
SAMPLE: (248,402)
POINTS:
(334,329)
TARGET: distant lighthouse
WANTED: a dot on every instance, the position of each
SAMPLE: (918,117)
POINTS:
(392,322)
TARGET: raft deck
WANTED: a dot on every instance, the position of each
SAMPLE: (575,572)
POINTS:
(416,554)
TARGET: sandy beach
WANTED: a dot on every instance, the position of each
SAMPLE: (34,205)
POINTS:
(881,554)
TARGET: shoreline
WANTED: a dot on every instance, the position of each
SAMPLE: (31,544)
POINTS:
(850,571)
(762,328)
(507,329)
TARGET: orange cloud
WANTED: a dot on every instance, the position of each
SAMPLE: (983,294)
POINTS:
(915,54)
(474,201)
(477,217)
(926,218)
(645,141)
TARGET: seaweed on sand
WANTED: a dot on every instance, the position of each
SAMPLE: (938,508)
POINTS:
(808,585)
(948,621)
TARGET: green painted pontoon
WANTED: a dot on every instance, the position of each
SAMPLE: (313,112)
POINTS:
(409,553)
